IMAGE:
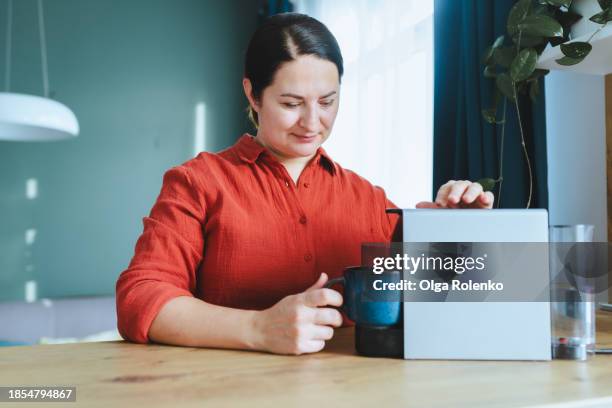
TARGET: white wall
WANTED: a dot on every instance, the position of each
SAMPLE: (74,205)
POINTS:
(576,144)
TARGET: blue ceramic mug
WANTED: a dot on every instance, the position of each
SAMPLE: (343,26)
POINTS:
(365,305)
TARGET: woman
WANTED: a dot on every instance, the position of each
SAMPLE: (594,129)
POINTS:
(239,244)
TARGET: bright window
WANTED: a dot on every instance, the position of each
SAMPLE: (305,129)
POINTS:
(384,126)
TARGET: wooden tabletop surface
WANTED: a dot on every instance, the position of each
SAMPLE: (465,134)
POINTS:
(113,374)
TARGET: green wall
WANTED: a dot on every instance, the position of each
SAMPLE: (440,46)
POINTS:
(132,71)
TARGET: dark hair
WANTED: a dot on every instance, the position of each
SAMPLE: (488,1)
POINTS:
(282,38)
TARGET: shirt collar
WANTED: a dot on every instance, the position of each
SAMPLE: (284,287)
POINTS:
(249,151)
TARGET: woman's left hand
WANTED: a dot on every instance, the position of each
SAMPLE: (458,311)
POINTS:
(460,194)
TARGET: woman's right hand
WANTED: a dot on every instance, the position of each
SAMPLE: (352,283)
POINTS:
(299,323)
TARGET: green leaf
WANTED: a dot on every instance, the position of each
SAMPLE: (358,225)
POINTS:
(528,41)
(541,9)
(541,26)
(504,56)
(602,17)
(604,4)
(560,3)
(538,73)
(576,49)
(505,85)
(498,41)
(567,61)
(489,71)
(488,184)
(524,64)
(489,115)
(518,12)
(489,53)
(487,56)
(534,90)
(497,96)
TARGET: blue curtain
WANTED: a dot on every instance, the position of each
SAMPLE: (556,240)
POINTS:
(465,146)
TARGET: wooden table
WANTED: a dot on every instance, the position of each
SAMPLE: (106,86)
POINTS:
(114,374)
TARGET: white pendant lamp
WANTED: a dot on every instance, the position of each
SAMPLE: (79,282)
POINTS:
(28,117)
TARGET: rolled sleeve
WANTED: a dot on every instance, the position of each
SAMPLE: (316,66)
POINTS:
(166,257)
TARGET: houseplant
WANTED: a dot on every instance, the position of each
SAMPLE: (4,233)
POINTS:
(511,61)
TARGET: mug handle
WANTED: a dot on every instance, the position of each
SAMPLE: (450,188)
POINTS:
(334,281)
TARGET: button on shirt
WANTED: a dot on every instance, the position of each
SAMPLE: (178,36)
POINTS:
(233,229)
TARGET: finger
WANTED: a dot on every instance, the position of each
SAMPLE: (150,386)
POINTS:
(472,193)
(427,204)
(322,332)
(486,199)
(313,346)
(442,195)
(322,297)
(328,316)
(320,282)
(456,192)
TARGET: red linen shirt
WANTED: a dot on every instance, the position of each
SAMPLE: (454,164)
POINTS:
(233,229)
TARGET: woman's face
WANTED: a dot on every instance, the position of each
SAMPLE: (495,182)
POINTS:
(297,111)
